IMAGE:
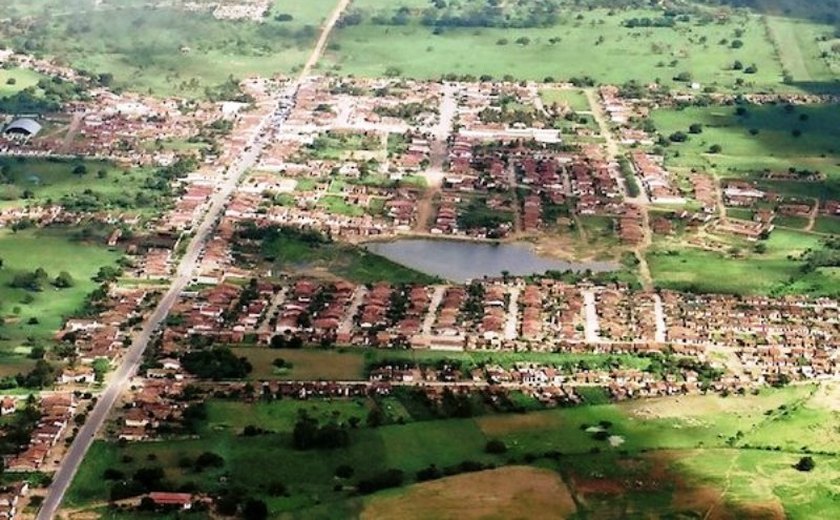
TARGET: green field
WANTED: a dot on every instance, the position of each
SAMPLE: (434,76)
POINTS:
(55,252)
(307,364)
(760,139)
(579,43)
(14,80)
(681,268)
(102,186)
(165,49)
(352,363)
(681,431)
(575,99)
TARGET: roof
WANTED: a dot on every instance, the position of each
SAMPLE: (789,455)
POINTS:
(23,125)
(160,497)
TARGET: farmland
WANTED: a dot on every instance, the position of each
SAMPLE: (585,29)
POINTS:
(690,437)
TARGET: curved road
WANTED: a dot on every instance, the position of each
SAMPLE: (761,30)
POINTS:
(133,357)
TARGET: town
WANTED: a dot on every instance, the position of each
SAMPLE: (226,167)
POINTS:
(324,244)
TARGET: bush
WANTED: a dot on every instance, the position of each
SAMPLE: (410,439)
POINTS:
(805,464)
(495,447)
(387,479)
(344,471)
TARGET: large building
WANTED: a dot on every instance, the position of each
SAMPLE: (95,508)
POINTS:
(23,127)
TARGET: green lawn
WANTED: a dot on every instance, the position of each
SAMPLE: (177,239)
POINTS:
(55,252)
(591,43)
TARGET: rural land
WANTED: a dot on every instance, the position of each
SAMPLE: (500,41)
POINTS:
(419,259)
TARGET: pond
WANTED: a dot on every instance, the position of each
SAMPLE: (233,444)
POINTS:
(460,261)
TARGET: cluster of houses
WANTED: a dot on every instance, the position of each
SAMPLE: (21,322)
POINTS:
(154,401)
(796,336)
(56,412)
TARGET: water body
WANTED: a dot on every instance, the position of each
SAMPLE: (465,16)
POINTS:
(459,261)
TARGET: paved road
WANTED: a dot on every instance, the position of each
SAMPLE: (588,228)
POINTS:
(133,357)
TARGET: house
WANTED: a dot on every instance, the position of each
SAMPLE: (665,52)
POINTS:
(8,406)
(182,500)
(80,375)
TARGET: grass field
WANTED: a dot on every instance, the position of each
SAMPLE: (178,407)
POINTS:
(762,139)
(307,364)
(352,364)
(683,268)
(55,252)
(102,186)
(697,443)
(591,43)
(14,80)
(168,50)
(346,261)
(575,99)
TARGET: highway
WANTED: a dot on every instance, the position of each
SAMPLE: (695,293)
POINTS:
(133,357)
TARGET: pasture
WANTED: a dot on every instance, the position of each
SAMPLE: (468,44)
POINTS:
(37,315)
(755,139)
(14,80)
(777,270)
(166,50)
(594,43)
(100,185)
(667,436)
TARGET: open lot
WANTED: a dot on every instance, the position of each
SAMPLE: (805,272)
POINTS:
(99,186)
(742,270)
(511,492)
(14,80)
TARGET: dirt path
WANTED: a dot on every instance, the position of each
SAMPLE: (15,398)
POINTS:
(78,117)
(321,44)
(812,217)
(600,117)
(641,249)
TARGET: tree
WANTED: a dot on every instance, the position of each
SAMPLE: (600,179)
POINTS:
(715,148)
(80,170)
(805,464)
(64,280)
(254,510)
(495,446)
(678,137)
(695,128)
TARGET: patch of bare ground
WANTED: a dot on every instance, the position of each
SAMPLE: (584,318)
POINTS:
(514,492)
